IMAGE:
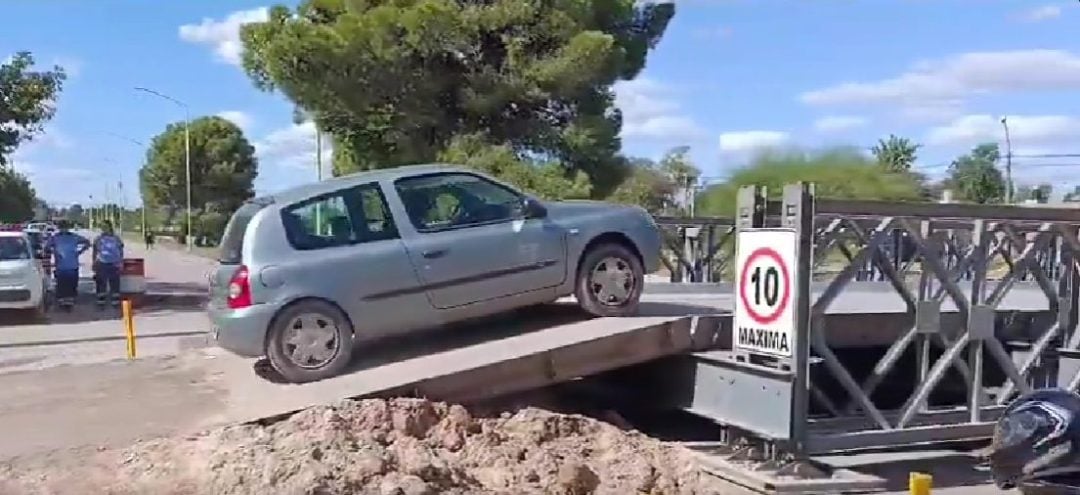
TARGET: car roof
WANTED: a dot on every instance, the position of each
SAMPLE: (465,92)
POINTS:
(302,192)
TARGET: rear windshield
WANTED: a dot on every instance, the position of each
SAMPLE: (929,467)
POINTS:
(232,241)
(13,248)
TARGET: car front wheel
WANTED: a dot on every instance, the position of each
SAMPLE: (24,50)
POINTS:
(310,341)
(610,281)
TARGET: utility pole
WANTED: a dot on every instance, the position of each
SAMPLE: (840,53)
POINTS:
(187,156)
(318,174)
(1008,163)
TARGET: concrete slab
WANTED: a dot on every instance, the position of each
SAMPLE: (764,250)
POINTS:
(518,362)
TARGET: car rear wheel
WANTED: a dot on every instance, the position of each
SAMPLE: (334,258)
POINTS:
(309,341)
(609,281)
(40,313)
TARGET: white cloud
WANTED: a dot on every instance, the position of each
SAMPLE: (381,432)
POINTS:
(747,141)
(1044,13)
(287,157)
(839,123)
(650,112)
(940,87)
(1024,130)
(241,119)
(223,35)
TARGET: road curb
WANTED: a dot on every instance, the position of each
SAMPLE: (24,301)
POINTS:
(106,338)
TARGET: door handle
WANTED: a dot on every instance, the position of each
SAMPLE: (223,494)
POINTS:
(434,253)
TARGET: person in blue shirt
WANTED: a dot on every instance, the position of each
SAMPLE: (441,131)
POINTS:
(65,248)
(108,260)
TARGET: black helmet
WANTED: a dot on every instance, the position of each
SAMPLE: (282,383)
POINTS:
(1036,444)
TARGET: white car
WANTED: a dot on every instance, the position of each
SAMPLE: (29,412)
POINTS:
(23,280)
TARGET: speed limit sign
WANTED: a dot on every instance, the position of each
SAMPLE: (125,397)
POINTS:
(765,275)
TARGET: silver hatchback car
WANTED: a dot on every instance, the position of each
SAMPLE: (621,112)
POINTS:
(307,274)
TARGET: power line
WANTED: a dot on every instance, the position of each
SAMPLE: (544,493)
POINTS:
(1049,155)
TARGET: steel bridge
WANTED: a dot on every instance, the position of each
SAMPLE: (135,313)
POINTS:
(914,323)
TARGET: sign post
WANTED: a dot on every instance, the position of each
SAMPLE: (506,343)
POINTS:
(767,279)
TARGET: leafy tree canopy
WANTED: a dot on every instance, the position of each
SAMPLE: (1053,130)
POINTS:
(547,180)
(975,176)
(26,101)
(661,188)
(17,197)
(223,166)
(895,153)
(839,174)
(399,82)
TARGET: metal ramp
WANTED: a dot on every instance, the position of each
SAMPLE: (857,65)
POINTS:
(490,368)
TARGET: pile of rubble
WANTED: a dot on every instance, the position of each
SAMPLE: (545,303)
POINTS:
(395,447)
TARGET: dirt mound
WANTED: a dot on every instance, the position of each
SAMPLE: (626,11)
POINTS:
(396,447)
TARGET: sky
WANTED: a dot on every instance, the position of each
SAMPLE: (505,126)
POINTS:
(729,78)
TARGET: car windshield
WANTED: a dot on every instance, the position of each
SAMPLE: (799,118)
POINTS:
(13,248)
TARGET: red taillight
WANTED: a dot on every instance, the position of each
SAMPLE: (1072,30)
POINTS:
(239,289)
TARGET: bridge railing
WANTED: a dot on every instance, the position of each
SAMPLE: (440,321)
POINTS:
(699,249)
(984,317)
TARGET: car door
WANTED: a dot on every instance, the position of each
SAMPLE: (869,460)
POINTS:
(349,251)
(471,242)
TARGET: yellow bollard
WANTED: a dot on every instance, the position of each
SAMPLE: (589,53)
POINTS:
(920,483)
(129,327)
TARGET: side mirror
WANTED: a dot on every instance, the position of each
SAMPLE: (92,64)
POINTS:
(533,208)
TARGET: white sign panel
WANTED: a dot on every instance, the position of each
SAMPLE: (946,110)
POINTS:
(765,291)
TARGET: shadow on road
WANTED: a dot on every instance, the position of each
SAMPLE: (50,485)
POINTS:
(449,337)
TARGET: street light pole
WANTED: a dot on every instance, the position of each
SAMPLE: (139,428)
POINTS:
(187,156)
(1008,162)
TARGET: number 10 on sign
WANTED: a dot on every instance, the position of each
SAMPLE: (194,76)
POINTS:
(764,291)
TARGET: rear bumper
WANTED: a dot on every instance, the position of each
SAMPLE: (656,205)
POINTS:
(242,331)
(20,297)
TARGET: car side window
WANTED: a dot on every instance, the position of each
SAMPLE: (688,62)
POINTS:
(349,216)
(453,200)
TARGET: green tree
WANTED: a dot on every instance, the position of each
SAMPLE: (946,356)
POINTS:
(17,196)
(397,83)
(975,176)
(839,173)
(545,179)
(662,188)
(27,101)
(223,167)
(895,153)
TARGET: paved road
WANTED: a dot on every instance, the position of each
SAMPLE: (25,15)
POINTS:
(171,320)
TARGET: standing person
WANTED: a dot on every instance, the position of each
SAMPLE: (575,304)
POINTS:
(108,259)
(149,236)
(65,247)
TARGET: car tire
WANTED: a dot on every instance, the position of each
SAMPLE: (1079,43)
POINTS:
(40,313)
(324,335)
(615,296)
